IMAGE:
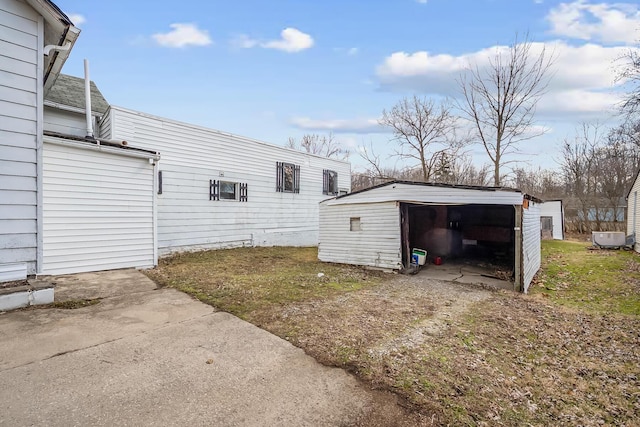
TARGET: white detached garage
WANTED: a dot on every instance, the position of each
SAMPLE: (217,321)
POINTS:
(380,226)
(99,206)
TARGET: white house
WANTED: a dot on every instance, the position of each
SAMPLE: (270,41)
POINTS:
(35,40)
(552,219)
(220,190)
(182,187)
(380,226)
(633,212)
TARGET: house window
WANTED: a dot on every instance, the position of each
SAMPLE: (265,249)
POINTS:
(354,224)
(227,190)
(329,182)
(287,178)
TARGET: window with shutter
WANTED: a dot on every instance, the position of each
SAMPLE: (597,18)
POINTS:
(329,182)
(227,190)
(287,177)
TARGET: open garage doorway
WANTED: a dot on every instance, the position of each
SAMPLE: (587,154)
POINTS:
(481,237)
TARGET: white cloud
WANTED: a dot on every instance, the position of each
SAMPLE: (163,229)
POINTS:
(421,1)
(588,70)
(352,51)
(360,125)
(605,22)
(76,18)
(291,40)
(579,102)
(183,35)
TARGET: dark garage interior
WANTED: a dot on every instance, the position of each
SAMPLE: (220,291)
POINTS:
(468,234)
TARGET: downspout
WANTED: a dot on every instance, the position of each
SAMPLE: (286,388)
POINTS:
(87,100)
(48,48)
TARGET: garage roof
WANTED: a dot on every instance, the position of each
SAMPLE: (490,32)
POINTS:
(431,193)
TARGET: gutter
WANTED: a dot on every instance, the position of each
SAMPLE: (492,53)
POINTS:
(60,54)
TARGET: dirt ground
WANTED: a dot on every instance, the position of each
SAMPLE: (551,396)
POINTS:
(460,354)
(377,315)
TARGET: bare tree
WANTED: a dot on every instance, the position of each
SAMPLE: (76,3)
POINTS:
(424,131)
(543,183)
(322,145)
(630,74)
(372,159)
(618,161)
(598,170)
(500,100)
(375,173)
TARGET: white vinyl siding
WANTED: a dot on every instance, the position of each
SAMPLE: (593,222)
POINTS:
(20,36)
(193,155)
(64,122)
(364,228)
(377,242)
(633,212)
(553,209)
(98,210)
(530,242)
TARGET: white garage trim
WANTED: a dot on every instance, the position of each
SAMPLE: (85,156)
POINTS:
(99,207)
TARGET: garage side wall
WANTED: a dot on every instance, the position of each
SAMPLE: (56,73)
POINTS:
(531,255)
(361,234)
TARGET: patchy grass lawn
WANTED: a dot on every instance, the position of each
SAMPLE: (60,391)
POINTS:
(604,281)
(248,281)
(568,354)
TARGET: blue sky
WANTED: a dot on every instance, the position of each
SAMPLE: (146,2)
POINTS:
(274,69)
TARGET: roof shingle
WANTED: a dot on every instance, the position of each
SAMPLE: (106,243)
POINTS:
(69,91)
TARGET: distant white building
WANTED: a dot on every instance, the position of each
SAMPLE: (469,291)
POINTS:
(552,219)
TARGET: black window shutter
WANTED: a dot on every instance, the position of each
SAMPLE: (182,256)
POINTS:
(244,192)
(214,190)
(296,179)
(159,182)
(325,181)
(279,176)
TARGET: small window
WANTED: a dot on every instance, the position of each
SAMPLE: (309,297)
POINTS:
(329,182)
(227,190)
(354,224)
(287,178)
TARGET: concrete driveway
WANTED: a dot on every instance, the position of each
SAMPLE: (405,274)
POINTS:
(147,356)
